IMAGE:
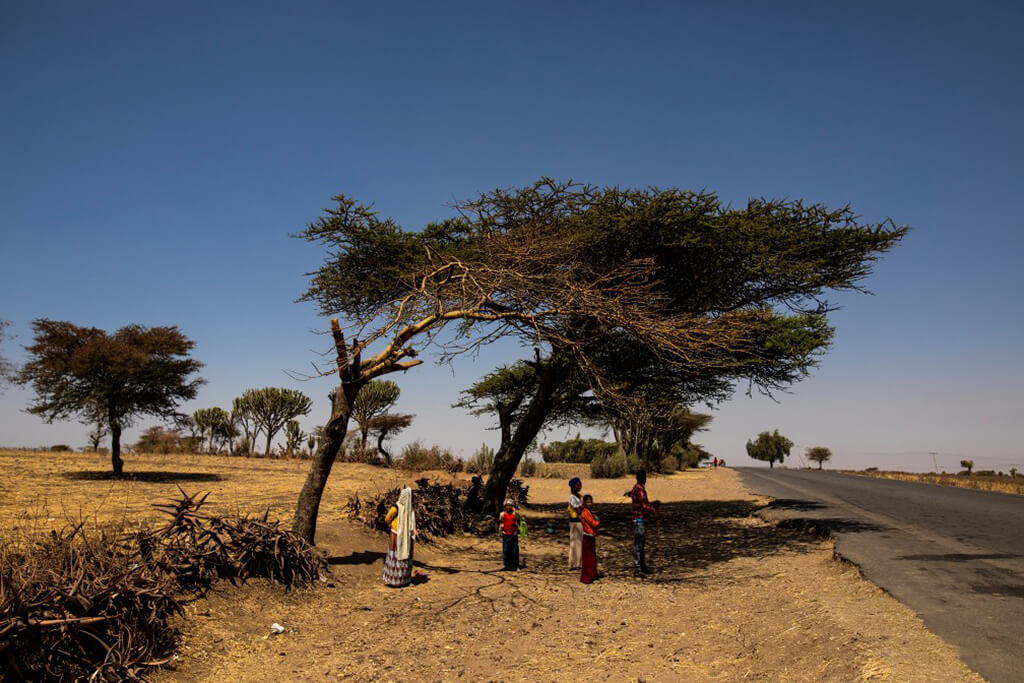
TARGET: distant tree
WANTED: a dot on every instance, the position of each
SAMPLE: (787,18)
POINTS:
(159,439)
(225,433)
(387,426)
(967,465)
(84,372)
(242,414)
(819,454)
(770,447)
(375,399)
(95,437)
(7,371)
(293,436)
(272,407)
(212,423)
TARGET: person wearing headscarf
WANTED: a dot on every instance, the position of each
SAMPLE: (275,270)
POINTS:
(508,525)
(401,521)
(575,509)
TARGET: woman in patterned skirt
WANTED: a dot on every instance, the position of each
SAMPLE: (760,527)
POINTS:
(401,520)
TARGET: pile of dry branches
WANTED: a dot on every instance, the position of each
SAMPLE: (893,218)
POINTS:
(78,605)
(440,509)
(98,605)
(198,549)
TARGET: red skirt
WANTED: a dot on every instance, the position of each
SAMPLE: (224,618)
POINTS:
(589,572)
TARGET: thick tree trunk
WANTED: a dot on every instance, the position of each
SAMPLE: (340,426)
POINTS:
(115,449)
(771,464)
(511,450)
(269,438)
(308,507)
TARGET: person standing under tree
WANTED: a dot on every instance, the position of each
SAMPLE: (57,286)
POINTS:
(575,509)
(643,512)
(401,520)
(590,523)
(508,525)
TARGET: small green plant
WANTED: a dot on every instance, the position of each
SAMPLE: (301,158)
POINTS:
(611,466)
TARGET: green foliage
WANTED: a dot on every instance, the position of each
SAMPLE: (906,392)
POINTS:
(692,455)
(293,436)
(481,461)
(86,373)
(967,465)
(270,409)
(613,465)
(819,454)
(416,457)
(769,447)
(577,450)
(212,424)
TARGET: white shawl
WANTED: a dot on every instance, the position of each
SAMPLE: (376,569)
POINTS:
(406,524)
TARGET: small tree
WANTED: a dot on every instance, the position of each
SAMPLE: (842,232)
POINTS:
(375,399)
(967,465)
(292,437)
(770,447)
(819,454)
(84,372)
(387,426)
(242,414)
(96,436)
(211,424)
(7,372)
(272,407)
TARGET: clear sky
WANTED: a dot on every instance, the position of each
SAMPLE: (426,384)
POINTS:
(154,158)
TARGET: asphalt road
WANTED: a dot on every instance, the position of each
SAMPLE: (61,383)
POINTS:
(955,556)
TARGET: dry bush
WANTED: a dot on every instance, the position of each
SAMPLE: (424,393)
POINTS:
(416,457)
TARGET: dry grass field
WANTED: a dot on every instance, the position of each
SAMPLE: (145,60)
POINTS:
(732,597)
(983,482)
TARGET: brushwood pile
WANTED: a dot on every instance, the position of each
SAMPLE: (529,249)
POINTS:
(440,509)
(97,605)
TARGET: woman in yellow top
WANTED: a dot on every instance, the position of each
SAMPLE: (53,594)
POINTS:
(401,520)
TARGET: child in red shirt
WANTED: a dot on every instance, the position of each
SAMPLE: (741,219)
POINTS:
(508,525)
(590,525)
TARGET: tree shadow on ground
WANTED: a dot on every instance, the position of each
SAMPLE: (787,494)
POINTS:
(147,477)
(826,526)
(689,538)
(358,557)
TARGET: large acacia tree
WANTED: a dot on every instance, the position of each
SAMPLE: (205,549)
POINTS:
(86,373)
(712,292)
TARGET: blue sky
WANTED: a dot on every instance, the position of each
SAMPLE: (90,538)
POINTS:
(155,159)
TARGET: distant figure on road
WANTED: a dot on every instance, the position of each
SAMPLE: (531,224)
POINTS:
(714,462)
(401,520)
(575,509)
(643,512)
